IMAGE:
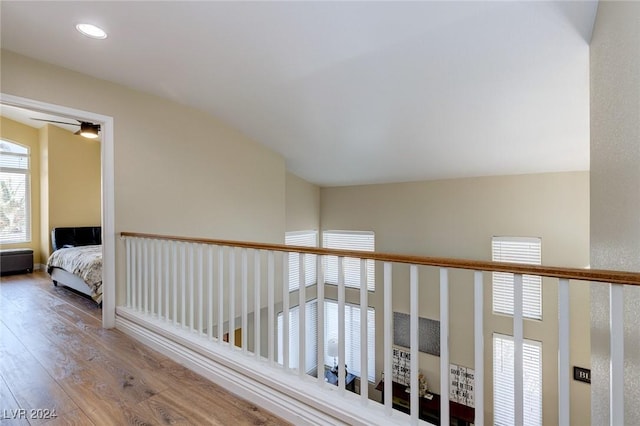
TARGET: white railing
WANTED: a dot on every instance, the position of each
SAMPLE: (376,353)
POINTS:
(196,286)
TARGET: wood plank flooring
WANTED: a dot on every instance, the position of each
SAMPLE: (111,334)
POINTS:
(55,359)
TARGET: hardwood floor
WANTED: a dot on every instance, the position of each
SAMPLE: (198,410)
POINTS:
(55,359)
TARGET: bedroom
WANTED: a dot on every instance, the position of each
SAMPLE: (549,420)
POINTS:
(64,179)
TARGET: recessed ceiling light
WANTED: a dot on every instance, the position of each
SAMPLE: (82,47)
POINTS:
(91,31)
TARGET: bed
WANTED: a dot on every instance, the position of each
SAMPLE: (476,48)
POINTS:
(76,261)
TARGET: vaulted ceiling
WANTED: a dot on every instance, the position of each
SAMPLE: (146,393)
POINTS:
(349,92)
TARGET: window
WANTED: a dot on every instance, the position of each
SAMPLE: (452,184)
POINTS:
(517,250)
(311,334)
(305,239)
(503,387)
(352,337)
(15,220)
(349,240)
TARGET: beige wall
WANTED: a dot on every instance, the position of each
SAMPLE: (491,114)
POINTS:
(73,192)
(457,218)
(178,171)
(303,204)
(615,194)
(28,136)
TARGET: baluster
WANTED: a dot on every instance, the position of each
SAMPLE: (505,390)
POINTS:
(210,293)
(140,263)
(166,247)
(518,342)
(444,346)
(564,402)
(158,256)
(413,331)
(174,267)
(200,288)
(135,275)
(145,262)
(478,310)
(183,285)
(302,299)
(163,300)
(152,277)
(270,305)
(127,243)
(341,327)
(616,386)
(388,340)
(245,322)
(192,279)
(256,303)
(232,297)
(220,294)
(320,313)
(364,334)
(285,311)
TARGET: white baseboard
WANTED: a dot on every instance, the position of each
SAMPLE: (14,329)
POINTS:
(299,400)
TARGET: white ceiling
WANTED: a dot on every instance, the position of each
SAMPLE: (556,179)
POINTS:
(349,92)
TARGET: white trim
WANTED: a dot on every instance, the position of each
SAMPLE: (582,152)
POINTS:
(301,402)
(478,323)
(414,363)
(616,363)
(444,346)
(518,343)
(564,353)
(108,198)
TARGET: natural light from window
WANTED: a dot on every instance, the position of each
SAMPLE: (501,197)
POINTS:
(305,239)
(15,220)
(526,250)
(349,240)
(352,337)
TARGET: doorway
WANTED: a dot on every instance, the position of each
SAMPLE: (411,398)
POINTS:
(107,188)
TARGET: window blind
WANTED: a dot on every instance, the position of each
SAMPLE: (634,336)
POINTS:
(15,212)
(311,339)
(352,337)
(305,239)
(503,378)
(349,240)
(517,250)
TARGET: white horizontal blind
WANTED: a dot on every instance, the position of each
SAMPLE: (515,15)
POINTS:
(352,336)
(503,381)
(349,240)
(15,212)
(305,239)
(517,250)
(311,340)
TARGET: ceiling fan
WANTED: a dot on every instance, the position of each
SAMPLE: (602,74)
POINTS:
(87,129)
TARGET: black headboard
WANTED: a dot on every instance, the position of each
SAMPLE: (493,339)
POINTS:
(76,236)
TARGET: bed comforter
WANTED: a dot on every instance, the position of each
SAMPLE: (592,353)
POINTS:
(83,261)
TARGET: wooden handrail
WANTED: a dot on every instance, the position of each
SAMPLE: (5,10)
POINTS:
(595,275)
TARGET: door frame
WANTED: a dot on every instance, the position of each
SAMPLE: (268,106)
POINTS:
(108,198)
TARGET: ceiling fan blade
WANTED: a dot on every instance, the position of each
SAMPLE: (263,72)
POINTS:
(77,133)
(89,124)
(54,121)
